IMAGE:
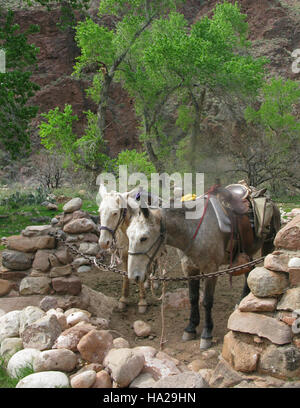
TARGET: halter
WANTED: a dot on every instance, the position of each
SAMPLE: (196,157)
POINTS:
(121,219)
(159,240)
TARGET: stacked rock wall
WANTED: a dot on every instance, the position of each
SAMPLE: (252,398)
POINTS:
(264,336)
(35,263)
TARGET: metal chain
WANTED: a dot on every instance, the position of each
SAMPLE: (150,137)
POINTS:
(101,265)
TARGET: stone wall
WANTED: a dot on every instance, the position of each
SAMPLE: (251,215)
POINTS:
(264,330)
(36,264)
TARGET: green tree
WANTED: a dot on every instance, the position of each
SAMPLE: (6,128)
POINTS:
(275,155)
(16,88)
(106,49)
(86,151)
(172,63)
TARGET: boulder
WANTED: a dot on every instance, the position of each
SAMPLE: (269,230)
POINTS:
(21,359)
(70,338)
(94,345)
(10,325)
(64,256)
(46,379)
(240,355)
(119,342)
(38,285)
(277,261)
(251,303)
(294,271)
(42,333)
(89,248)
(48,302)
(282,362)
(79,226)
(58,271)
(124,365)
(55,360)
(5,287)
(144,380)
(68,285)
(84,269)
(28,316)
(72,205)
(16,260)
(100,305)
(182,380)
(103,380)
(32,244)
(224,376)
(265,283)
(290,300)
(160,368)
(62,320)
(77,317)
(84,380)
(289,236)
(41,260)
(10,346)
(261,325)
(141,328)
(37,230)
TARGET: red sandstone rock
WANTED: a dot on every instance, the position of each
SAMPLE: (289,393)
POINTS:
(94,346)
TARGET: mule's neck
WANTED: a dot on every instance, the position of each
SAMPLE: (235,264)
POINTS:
(177,231)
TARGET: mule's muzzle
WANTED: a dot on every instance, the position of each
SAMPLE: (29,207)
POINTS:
(104,244)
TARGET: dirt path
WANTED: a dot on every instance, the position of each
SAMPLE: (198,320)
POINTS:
(176,320)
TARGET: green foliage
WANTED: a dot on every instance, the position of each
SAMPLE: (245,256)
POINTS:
(136,162)
(16,87)
(91,144)
(275,113)
(18,200)
(10,382)
(86,151)
(57,132)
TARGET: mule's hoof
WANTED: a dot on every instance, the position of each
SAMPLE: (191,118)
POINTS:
(205,344)
(142,309)
(188,336)
(122,306)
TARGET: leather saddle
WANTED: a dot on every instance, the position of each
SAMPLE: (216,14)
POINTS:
(232,211)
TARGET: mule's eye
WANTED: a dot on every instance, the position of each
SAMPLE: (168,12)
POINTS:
(143,239)
(115,213)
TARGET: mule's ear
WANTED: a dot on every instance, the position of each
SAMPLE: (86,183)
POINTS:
(145,211)
(100,195)
(102,190)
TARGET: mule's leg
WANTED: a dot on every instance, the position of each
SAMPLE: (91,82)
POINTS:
(123,302)
(190,331)
(142,305)
(208,301)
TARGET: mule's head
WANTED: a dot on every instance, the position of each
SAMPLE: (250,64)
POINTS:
(111,211)
(144,233)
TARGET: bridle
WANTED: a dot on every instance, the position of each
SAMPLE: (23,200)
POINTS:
(157,243)
(121,219)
